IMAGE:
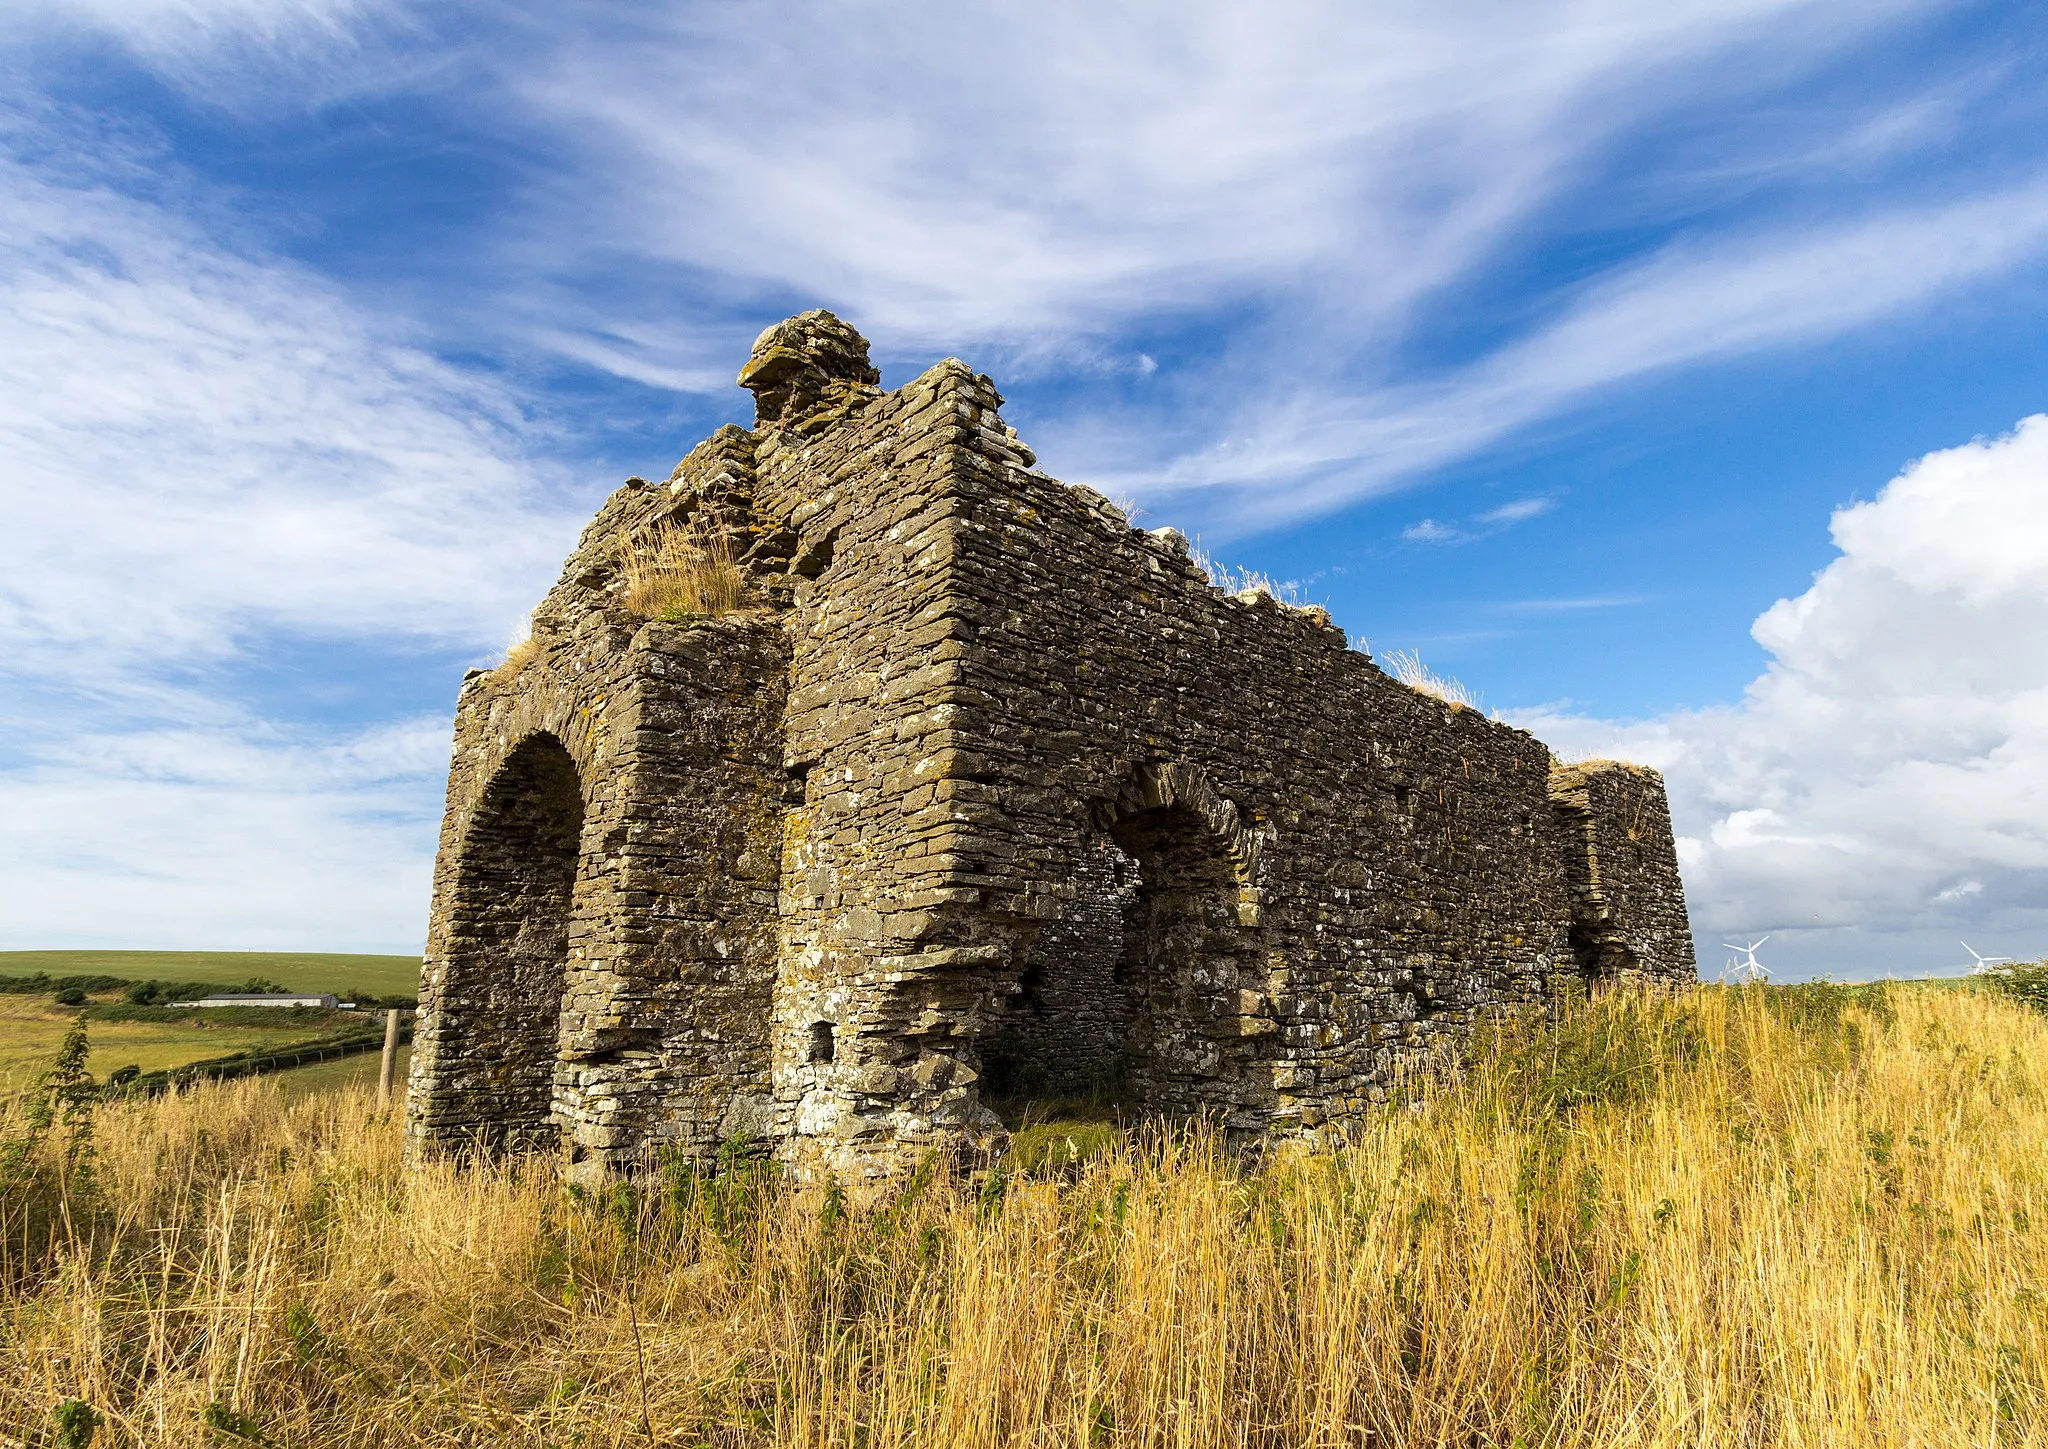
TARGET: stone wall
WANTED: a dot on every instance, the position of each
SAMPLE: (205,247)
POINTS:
(982,788)
(1628,906)
(655,990)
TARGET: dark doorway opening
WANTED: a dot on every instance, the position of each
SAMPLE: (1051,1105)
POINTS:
(507,950)
(1144,999)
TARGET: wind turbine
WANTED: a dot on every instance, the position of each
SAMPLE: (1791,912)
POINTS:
(1986,965)
(1748,968)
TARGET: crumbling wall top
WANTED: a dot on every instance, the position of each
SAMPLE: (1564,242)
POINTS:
(807,371)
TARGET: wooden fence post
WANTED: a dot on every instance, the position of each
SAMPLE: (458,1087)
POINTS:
(388,1067)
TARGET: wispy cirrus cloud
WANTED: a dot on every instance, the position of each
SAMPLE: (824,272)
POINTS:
(204,443)
(1309,189)
(1306,189)
(1480,525)
(214,459)
(1689,305)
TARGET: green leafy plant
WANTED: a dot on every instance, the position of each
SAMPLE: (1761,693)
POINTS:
(235,1427)
(75,1421)
(2028,984)
(65,1096)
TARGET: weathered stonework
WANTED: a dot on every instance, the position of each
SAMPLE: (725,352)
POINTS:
(980,789)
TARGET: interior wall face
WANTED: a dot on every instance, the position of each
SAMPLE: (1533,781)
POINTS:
(1628,905)
(1066,1030)
(667,1041)
(507,950)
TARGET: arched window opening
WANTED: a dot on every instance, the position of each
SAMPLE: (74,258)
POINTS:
(508,948)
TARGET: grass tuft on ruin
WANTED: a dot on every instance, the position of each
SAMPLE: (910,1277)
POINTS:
(681,571)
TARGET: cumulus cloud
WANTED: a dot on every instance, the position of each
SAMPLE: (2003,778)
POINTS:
(1887,774)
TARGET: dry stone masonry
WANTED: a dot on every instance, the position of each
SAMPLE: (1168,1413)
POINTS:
(980,793)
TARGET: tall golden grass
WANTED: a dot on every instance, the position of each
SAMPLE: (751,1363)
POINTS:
(1407,666)
(521,654)
(1769,1216)
(679,569)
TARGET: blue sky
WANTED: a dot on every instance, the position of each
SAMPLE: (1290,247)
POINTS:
(1548,342)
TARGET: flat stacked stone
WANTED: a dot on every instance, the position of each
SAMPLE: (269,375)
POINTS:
(980,789)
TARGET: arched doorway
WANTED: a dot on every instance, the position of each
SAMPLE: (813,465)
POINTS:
(1150,988)
(497,1017)
(1189,967)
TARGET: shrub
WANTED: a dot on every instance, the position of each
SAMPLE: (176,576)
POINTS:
(2028,984)
(71,996)
(673,571)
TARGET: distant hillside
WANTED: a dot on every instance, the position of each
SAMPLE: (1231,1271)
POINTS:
(299,970)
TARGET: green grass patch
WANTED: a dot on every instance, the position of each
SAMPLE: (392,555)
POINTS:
(32,1026)
(346,976)
(340,1074)
(1059,1143)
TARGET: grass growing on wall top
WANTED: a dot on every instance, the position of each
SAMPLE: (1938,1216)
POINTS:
(677,571)
(1811,1216)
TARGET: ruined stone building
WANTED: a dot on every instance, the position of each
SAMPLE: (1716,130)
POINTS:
(972,789)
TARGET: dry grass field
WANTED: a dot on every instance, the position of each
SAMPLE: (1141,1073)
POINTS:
(1774,1216)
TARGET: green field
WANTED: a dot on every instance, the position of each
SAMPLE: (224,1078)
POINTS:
(299,970)
(359,1070)
(31,1027)
(31,1024)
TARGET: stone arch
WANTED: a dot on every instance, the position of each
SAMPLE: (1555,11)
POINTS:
(1179,785)
(1152,982)
(492,1026)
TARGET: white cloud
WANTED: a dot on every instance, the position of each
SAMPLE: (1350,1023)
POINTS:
(222,52)
(1039,188)
(1031,187)
(211,458)
(1888,772)
(1519,511)
(1428,530)
(1479,525)
(223,839)
(1066,168)
(203,444)
(1687,306)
